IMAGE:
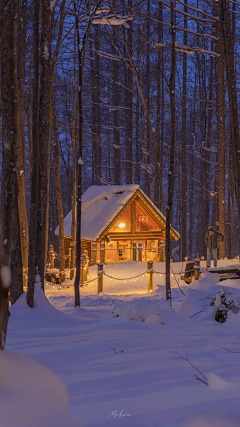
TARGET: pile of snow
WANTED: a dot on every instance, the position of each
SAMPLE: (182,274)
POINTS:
(206,280)
(194,301)
(212,277)
(142,309)
(42,315)
(31,395)
(211,420)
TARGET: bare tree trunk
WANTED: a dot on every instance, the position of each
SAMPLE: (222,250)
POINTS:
(225,23)
(59,197)
(11,135)
(172,150)
(230,196)
(221,142)
(29,118)
(44,124)
(97,118)
(35,161)
(21,155)
(79,171)
(184,143)
(129,114)
(74,192)
(116,136)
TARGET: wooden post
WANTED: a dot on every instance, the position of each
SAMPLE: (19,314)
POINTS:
(81,271)
(100,277)
(196,268)
(161,251)
(84,266)
(206,267)
(72,248)
(51,256)
(94,253)
(140,251)
(150,276)
(134,251)
(87,259)
(69,257)
(102,252)
(196,271)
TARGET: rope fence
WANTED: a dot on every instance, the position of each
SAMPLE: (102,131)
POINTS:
(58,277)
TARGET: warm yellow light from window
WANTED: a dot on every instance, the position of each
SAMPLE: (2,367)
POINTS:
(122,225)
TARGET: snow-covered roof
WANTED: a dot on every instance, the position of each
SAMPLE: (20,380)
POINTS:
(100,205)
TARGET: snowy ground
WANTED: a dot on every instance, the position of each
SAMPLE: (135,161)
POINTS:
(126,373)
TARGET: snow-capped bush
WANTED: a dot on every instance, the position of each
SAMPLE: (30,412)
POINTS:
(224,302)
(141,309)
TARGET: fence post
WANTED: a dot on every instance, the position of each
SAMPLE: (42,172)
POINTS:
(100,277)
(73,259)
(69,257)
(196,268)
(140,251)
(51,256)
(87,259)
(84,262)
(134,251)
(150,275)
(94,253)
(81,272)
(161,251)
(102,252)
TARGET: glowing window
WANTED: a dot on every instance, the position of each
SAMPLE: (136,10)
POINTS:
(144,221)
(123,224)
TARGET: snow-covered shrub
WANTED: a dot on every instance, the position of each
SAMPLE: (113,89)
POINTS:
(141,309)
(224,302)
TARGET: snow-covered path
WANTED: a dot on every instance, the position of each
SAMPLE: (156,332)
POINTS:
(146,385)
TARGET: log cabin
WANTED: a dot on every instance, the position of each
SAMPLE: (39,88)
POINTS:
(120,216)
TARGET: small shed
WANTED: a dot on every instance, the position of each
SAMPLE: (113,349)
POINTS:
(119,215)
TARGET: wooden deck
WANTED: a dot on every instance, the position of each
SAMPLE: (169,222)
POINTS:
(231,272)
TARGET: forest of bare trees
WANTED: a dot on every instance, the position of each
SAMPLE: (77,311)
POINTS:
(105,92)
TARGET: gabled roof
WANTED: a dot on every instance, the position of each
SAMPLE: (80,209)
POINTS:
(101,204)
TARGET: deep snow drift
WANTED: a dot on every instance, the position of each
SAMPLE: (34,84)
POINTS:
(131,373)
(31,395)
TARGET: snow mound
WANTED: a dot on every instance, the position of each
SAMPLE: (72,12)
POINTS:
(206,280)
(203,283)
(210,420)
(31,394)
(194,300)
(141,309)
(212,277)
(217,382)
(42,315)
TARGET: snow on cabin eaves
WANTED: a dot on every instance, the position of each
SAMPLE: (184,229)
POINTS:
(100,205)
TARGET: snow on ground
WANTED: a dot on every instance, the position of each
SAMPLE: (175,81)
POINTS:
(30,394)
(129,373)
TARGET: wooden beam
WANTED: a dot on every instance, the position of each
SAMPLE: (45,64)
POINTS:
(133,217)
